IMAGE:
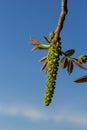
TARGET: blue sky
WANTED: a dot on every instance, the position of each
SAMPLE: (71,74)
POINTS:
(21,82)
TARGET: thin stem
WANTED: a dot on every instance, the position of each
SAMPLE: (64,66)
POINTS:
(59,27)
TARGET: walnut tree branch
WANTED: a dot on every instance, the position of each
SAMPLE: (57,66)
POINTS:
(59,27)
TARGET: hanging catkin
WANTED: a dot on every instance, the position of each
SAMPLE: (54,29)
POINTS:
(52,66)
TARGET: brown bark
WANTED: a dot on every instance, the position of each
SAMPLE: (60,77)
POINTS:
(59,27)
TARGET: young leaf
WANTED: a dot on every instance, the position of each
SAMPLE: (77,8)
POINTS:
(44,65)
(70,67)
(78,64)
(70,52)
(43,59)
(46,39)
(64,62)
(81,79)
(41,47)
(35,42)
(38,48)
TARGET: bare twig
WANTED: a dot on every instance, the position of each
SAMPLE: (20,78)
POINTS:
(60,21)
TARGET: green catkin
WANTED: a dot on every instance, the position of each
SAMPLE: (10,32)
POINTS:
(52,66)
